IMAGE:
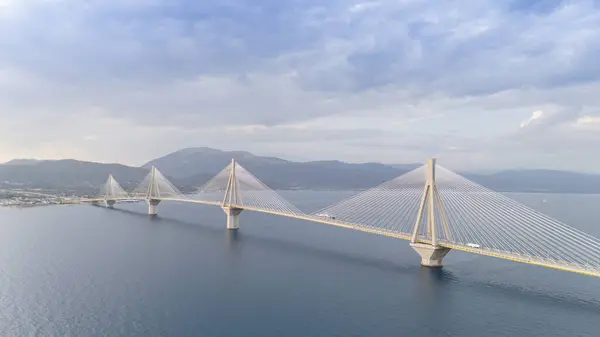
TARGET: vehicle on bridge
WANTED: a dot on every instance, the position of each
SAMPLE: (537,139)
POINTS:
(325,215)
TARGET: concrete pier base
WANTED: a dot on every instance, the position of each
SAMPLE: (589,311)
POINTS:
(233,217)
(109,203)
(152,207)
(431,256)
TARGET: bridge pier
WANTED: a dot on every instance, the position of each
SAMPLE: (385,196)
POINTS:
(233,217)
(152,206)
(110,203)
(431,256)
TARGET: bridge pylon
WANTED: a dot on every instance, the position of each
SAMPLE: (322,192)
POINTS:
(232,199)
(151,192)
(112,191)
(235,189)
(154,188)
(426,231)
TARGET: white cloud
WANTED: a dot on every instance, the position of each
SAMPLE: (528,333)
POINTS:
(588,122)
(538,114)
(362,6)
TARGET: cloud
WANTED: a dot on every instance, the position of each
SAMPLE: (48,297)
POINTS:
(536,115)
(588,122)
(373,80)
(363,6)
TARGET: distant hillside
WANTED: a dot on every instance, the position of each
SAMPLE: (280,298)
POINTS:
(22,162)
(194,166)
(197,160)
(191,168)
(66,175)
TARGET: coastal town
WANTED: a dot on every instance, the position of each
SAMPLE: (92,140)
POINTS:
(28,199)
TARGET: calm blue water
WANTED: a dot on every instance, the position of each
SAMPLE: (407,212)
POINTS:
(89,271)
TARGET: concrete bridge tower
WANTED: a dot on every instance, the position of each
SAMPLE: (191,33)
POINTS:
(112,192)
(151,193)
(232,199)
(425,240)
(154,188)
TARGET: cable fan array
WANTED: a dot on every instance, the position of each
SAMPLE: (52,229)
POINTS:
(155,186)
(235,186)
(112,190)
(391,206)
(480,217)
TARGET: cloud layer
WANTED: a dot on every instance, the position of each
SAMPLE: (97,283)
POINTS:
(481,84)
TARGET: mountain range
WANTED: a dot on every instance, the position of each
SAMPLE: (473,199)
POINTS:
(190,168)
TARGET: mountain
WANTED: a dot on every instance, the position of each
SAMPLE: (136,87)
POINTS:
(192,161)
(192,167)
(66,175)
(22,162)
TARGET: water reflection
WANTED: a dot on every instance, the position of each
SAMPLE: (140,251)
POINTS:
(232,242)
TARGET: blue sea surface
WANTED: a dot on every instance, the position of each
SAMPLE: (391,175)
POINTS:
(91,271)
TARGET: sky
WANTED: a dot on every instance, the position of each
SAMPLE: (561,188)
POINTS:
(479,84)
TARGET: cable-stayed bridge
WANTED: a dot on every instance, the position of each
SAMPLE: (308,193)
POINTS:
(433,208)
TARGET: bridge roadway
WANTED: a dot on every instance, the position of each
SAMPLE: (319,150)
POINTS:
(515,257)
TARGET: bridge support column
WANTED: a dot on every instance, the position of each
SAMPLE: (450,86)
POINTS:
(233,217)
(152,206)
(427,226)
(109,203)
(431,256)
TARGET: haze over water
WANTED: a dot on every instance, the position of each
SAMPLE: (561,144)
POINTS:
(90,271)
